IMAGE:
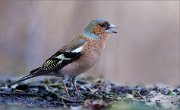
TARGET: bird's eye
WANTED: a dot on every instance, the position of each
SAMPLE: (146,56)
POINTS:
(102,24)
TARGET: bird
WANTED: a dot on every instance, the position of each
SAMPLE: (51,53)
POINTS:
(76,56)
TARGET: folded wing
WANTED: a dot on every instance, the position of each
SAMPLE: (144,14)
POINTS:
(69,53)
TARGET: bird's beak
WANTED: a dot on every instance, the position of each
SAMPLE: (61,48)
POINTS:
(110,29)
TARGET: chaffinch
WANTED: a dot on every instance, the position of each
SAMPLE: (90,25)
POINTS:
(77,56)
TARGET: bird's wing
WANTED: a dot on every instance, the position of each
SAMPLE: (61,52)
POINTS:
(74,44)
(59,60)
(69,53)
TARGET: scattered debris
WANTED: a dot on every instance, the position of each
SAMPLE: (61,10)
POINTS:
(95,94)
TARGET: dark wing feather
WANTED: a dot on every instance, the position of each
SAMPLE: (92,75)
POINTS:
(54,63)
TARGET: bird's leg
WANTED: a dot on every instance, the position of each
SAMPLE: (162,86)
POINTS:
(65,81)
(74,85)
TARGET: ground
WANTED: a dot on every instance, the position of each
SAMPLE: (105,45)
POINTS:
(94,94)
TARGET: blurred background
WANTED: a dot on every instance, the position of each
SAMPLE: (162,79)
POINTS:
(145,50)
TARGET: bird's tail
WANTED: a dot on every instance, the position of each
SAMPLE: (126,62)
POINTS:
(32,74)
(22,79)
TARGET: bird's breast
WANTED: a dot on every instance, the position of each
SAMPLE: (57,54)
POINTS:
(91,53)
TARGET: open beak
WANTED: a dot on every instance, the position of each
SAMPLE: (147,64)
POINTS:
(111,29)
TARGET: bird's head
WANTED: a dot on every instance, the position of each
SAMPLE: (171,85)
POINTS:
(99,27)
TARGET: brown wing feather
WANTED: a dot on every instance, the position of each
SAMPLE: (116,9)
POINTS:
(73,44)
